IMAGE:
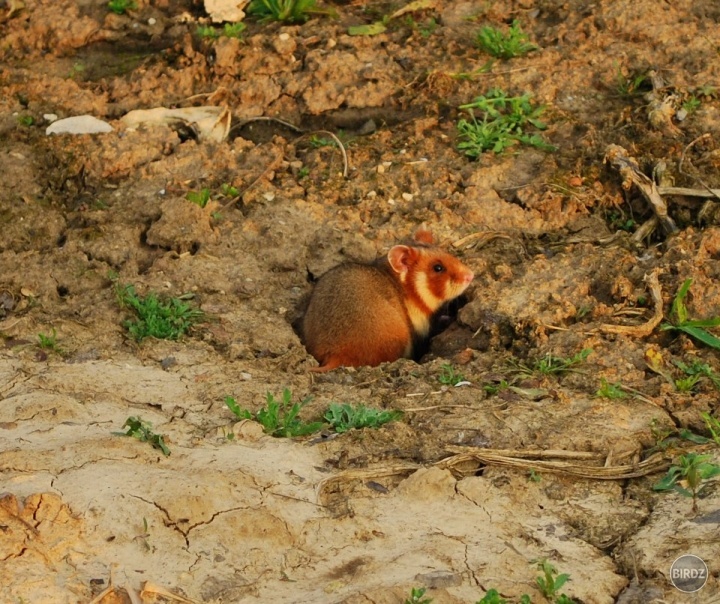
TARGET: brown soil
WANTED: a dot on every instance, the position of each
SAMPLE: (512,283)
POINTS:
(235,515)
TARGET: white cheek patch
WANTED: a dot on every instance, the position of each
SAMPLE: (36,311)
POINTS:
(422,285)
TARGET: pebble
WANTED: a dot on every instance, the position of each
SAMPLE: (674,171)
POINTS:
(79,124)
(284,44)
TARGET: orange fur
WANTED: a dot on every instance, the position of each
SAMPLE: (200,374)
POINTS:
(370,314)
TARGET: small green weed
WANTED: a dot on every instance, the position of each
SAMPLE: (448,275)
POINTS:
(503,45)
(428,28)
(689,476)
(550,582)
(713,425)
(141,430)
(694,328)
(229,190)
(632,85)
(552,365)
(706,90)
(317,142)
(229,30)
(346,417)
(492,596)
(303,172)
(203,196)
(287,11)
(207,32)
(667,437)
(199,198)
(120,7)
(611,391)
(26,120)
(469,75)
(692,104)
(76,71)
(449,376)
(534,476)
(237,410)
(425,29)
(505,121)
(687,384)
(234,30)
(619,221)
(163,319)
(279,419)
(494,388)
(417,596)
(698,368)
(49,342)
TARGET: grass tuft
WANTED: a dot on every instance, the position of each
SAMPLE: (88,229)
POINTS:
(695,328)
(286,11)
(449,376)
(346,417)
(688,477)
(504,45)
(505,122)
(120,7)
(278,418)
(552,365)
(157,318)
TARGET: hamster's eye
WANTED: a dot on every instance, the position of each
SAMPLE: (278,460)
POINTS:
(438,268)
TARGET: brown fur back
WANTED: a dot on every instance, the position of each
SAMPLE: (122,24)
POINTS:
(356,316)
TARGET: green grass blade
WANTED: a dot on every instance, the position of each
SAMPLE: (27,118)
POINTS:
(701,335)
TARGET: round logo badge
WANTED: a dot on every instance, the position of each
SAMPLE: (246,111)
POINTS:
(689,573)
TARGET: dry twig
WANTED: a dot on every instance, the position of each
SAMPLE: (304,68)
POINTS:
(644,330)
(651,465)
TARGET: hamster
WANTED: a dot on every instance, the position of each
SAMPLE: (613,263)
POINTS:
(367,314)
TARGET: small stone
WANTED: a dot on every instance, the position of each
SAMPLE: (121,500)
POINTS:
(439,579)
(168,362)
(79,124)
(248,430)
(284,44)
(407,196)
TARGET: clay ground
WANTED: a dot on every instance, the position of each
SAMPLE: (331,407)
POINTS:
(233,515)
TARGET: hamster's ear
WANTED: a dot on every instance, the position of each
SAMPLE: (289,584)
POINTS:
(423,235)
(401,258)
